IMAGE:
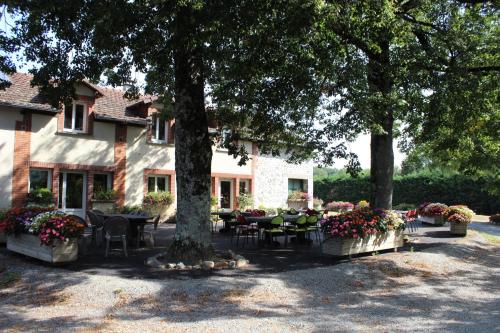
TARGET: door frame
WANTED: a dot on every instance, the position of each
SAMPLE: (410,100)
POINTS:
(231,192)
(74,211)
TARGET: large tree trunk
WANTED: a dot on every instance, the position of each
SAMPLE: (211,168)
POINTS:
(193,149)
(382,155)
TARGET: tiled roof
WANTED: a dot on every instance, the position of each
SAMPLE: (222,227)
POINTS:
(110,105)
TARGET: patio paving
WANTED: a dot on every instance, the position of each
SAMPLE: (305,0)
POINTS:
(263,259)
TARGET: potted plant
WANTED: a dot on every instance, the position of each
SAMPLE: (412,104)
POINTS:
(298,199)
(459,217)
(432,213)
(159,203)
(245,201)
(40,197)
(104,200)
(46,235)
(339,206)
(362,231)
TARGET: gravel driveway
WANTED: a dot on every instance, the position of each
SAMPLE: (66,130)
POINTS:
(446,288)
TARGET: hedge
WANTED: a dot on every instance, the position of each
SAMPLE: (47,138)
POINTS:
(451,190)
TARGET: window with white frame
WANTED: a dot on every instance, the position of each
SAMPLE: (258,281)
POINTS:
(159,129)
(40,178)
(299,185)
(103,182)
(159,183)
(75,117)
(244,186)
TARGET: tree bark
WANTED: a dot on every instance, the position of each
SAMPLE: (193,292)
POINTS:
(382,155)
(193,149)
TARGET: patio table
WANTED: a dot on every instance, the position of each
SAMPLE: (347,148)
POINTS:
(264,221)
(225,217)
(136,221)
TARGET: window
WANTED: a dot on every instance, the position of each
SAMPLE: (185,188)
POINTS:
(75,117)
(40,178)
(225,134)
(244,186)
(103,182)
(297,185)
(158,183)
(159,132)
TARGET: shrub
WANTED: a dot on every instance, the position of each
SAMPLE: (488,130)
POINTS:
(404,206)
(245,201)
(214,201)
(106,195)
(128,209)
(40,197)
(452,190)
(158,198)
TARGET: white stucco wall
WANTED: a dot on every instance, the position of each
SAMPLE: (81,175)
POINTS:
(271,180)
(8,118)
(48,146)
(224,163)
(140,156)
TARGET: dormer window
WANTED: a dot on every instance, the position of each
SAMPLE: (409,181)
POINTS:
(75,117)
(159,130)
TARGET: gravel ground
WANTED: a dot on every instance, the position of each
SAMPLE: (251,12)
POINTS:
(446,288)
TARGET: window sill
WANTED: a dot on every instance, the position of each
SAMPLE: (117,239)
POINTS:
(72,133)
(160,143)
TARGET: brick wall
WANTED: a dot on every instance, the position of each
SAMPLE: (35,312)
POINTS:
(120,163)
(20,172)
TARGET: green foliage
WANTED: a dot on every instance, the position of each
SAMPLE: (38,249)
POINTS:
(245,201)
(405,206)
(158,198)
(214,201)
(128,209)
(41,197)
(105,195)
(452,190)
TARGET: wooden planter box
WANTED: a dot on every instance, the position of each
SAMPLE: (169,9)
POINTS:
(297,204)
(105,206)
(29,245)
(459,229)
(336,246)
(436,220)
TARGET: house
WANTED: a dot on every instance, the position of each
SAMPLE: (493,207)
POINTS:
(102,140)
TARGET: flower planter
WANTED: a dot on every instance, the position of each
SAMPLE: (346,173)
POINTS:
(436,220)
(458,229)
(336,246)
(297,204)
(106,206)
(29,245)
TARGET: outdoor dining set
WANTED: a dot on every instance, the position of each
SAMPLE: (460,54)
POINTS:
(133,227)
(299,224)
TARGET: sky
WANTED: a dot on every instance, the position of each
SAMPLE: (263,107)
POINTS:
(361,147)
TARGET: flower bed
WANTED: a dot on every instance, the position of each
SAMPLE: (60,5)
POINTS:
(459,217)
(362,231)
(46,235)
(432,213)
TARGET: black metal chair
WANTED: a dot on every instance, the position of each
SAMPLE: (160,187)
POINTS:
(115,229)
(146,229)
(97,225)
